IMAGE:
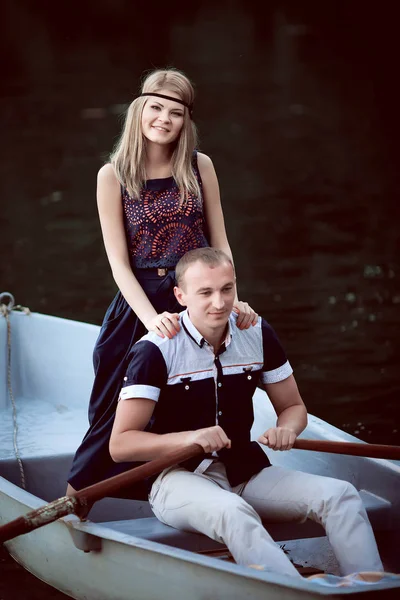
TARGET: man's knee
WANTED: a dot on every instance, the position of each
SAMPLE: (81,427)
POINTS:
(341,492)
(345,489)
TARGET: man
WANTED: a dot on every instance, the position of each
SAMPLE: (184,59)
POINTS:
(197,388)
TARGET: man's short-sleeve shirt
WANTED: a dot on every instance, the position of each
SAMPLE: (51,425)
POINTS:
(185,373)
(193,388)
(158,362)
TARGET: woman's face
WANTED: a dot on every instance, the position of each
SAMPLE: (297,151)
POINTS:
(162,120)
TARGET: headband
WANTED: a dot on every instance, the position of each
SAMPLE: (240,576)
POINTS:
(188,106)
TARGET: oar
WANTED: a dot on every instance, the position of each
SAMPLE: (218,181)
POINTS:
(351,448)
(87,496)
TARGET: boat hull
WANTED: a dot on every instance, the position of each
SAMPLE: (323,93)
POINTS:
(133,569)
(51,377)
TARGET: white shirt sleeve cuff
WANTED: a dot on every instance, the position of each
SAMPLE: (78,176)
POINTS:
(278,374)
(140,391)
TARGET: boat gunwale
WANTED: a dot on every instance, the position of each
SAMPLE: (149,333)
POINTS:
(107,534)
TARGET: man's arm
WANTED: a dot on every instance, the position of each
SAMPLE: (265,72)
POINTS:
(291,412)
(129,442)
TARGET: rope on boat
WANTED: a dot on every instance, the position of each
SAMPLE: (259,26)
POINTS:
(5,310)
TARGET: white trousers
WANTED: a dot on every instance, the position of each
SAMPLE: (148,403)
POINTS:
(207,504)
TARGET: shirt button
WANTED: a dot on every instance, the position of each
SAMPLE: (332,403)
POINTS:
(220,412)
(186,387)
(125,379)
(220,384)
(248,376)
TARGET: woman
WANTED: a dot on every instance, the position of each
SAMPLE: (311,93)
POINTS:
(157,198)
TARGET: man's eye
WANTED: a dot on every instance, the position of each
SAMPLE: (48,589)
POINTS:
(228,289)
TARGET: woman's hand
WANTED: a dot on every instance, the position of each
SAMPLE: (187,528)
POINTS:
(246,315)
(164,324)
(278,438)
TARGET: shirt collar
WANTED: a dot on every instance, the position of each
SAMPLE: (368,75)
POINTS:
(196,335)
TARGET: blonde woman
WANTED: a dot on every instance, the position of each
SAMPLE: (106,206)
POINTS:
(157,199)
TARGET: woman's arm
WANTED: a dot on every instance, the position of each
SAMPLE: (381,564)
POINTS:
(216,226)
(112,226)
(212,204)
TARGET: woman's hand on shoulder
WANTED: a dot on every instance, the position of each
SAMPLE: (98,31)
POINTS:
(164,325)
(246,315)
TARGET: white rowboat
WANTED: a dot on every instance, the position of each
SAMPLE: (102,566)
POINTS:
(123,552)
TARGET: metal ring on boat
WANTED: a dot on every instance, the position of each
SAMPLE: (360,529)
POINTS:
(7,296)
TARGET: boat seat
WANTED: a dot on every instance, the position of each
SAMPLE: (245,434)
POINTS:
(151,528)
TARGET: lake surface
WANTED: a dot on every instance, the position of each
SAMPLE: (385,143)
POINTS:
(297,109)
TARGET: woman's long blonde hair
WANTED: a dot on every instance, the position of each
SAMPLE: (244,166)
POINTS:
(128,156)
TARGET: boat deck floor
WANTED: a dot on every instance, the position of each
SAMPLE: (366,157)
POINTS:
(44,428)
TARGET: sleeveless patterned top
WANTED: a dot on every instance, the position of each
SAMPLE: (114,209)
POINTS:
(159,228)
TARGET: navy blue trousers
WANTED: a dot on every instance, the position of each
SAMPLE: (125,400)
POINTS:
(121,328)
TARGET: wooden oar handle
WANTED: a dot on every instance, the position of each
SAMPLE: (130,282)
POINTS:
(39,517)
(351,448)
(87,496)
(95,492)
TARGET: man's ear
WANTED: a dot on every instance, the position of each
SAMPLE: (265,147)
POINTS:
(179,295)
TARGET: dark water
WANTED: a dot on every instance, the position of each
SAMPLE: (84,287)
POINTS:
(298,108)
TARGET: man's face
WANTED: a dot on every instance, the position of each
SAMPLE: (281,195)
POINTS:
(208,293)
